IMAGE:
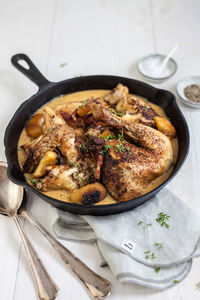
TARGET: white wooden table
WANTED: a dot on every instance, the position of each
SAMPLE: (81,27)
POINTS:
(93,37)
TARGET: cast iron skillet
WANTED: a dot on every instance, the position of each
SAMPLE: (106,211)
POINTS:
(49,90)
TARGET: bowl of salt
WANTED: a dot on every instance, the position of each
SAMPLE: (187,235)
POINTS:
(158,67)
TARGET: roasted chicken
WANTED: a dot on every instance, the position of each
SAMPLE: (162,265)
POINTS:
(114,140)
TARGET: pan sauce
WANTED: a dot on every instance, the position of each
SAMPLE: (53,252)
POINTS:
(72,99)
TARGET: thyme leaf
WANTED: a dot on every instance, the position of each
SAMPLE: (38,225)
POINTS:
(159,245)
(175,281)
(157,270)
(162,218)
(105,149)
(83,147)
(109,137)
(144,225)
(34,181)
(63,64)
(73,164)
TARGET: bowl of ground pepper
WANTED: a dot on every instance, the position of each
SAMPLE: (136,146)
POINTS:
(188,90)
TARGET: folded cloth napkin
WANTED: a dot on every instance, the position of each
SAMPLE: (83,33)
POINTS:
(152,245)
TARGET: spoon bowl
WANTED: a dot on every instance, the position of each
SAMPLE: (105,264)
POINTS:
(11,195)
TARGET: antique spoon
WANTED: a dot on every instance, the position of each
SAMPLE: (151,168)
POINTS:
(11,196)
(97,287)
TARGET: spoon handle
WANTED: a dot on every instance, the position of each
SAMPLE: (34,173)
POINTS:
(46,288)
(97,286)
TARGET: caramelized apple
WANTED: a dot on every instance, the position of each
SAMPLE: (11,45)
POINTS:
(34,126)
(48,159)
(165,126)
(89,194)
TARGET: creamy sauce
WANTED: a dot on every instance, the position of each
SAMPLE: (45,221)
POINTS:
(74,100)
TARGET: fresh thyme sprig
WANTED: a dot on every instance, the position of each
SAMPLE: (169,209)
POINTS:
(148,255)
(121,137)
(83,147)
(144,225)
(79,178)
(162,218)
(153,256)
(84,104)
(157,270)
(120,147)
(175,281)
(105,149)
(117,113)
(159,245)
(34,181)
(73,164)
(109,137)
(63,64)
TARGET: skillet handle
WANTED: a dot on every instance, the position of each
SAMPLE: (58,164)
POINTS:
(31,72)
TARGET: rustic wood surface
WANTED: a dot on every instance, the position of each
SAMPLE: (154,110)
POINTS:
(93,37)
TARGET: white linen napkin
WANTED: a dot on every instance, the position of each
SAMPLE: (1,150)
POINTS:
(137,246)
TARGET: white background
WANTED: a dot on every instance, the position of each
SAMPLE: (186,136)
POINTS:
(93,37)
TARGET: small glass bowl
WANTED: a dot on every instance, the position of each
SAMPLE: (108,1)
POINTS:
(154,60)
(181,85)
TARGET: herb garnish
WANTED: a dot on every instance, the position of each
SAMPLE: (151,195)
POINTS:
(79,178)
(157,270)
(83,147)
(162,218)
(109,137)
(121,148)
(147,255)
(176,281)
(106,148)
(84,104)
(117,113)
(73,164)
(63,64)
(34,181)
(144,225)
(147,107)
(121,137)
(159,245)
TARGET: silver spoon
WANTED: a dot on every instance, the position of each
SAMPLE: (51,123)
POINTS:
(11,196)
(97,287)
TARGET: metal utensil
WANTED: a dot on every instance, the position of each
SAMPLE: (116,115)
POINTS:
(97,286)
(11,196)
